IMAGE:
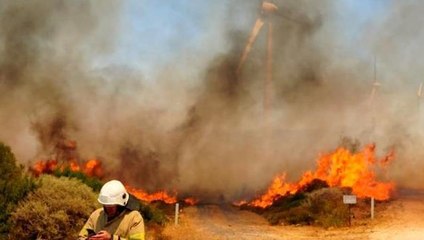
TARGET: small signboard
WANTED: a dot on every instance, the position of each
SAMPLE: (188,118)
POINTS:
(349,199)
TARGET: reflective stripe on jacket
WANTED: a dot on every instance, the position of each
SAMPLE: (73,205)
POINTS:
(129,225)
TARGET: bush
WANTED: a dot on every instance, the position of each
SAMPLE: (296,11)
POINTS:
(323,207)
(92,182)
(152,214)
(327,208)
(298,215)
(14,186)
(286,209)
(56,210)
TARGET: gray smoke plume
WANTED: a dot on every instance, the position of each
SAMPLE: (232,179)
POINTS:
(199,127)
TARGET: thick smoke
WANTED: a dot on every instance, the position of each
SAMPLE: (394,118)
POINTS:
(395,39)
(205,132)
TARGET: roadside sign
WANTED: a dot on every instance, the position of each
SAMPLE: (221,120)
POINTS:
(349,199)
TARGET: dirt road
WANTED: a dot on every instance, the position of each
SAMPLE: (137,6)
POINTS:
(402,219)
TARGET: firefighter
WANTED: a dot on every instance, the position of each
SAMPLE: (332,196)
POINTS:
(114,221)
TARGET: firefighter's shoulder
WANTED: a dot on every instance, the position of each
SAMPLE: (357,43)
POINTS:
(96,213)
(134,215)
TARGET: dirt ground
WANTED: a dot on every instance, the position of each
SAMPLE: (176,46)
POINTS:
(400,219)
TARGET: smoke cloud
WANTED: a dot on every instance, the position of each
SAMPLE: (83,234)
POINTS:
(198,127)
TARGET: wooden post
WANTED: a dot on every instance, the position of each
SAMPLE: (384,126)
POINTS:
(372,208)
(177,210)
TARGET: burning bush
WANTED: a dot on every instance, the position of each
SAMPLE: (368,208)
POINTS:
(56,210)
(309,201)
(327,207)
(14,186)
(288,210)
(323,207)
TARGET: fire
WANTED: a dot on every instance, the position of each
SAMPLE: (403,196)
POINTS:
(191,201)
(74,166)
(340,168)
(92,168)
(41,167)
(67,158)
(158,196)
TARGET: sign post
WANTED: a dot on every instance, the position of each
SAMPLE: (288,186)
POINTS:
(177,206)
(349,200)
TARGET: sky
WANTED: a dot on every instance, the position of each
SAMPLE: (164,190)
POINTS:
(156,33)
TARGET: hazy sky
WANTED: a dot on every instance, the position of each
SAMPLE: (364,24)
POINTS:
(155,33)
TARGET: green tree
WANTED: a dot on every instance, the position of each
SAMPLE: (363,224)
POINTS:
(14,186)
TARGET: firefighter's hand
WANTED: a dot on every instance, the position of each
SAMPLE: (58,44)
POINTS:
(102,235)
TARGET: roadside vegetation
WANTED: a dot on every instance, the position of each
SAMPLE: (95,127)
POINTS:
(14,186)
(56,210)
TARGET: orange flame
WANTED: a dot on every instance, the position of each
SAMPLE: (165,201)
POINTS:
(338,169)
(191,201)
(41,167)
(74,166)
(157,196)
(92,168)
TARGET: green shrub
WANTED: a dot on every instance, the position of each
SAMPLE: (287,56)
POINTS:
(94,183)
(14,186)
(56,210)
(152,214)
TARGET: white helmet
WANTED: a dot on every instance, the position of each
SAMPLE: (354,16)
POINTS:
(113,193)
